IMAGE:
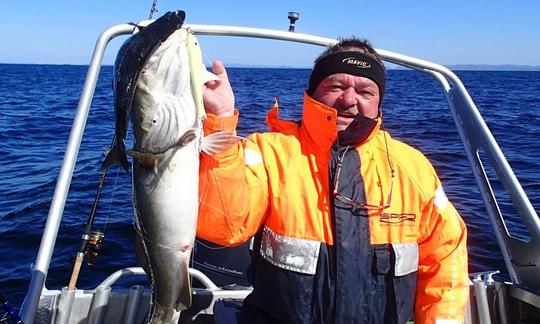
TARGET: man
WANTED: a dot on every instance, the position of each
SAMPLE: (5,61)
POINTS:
(350,225)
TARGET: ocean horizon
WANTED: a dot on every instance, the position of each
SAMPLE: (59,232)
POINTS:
(389,66)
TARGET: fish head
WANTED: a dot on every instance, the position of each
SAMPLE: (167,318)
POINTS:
(133,56)
(166,72)
(130,60)
(164,104)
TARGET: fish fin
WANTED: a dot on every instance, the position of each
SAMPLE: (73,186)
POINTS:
(219,142)
(116,156)
(151,160)
(186,138)
(164,315)
(209,76)
(147,160)
(184,299)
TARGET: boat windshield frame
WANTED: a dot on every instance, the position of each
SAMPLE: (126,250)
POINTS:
(473,131)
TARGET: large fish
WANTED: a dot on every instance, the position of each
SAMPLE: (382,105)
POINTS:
(159,78)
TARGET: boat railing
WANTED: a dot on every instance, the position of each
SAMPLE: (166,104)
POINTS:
(103,305)
(138,271)
(521,258)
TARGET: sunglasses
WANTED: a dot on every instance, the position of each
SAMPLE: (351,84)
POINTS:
(355,203)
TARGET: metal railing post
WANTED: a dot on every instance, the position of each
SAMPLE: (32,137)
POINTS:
(43,259)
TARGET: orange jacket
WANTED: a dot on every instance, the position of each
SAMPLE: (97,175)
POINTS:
(278,183)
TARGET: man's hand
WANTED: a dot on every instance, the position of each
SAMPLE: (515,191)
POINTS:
(218,95)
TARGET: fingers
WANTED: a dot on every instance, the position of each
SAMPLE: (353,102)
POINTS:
(218,95)
(211,84)
(219,69)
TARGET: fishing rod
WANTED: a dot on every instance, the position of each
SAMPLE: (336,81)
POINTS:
(153,10)
(91,240)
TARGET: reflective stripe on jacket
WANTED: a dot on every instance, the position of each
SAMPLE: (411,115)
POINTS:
(314,262)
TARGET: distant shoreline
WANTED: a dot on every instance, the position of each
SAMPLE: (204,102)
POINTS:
(454,67)
(487,67)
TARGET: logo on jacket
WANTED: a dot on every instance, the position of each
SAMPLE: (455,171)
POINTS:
(393,218)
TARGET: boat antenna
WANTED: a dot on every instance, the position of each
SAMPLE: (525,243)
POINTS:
(153,10)
(293,17)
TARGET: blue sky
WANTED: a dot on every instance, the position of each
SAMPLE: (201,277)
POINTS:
(445,32)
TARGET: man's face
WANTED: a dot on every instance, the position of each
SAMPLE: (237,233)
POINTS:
(349,95)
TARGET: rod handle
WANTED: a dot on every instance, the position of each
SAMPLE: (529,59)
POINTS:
(75,272)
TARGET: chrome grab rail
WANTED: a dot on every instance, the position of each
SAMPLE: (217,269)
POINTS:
(138,271)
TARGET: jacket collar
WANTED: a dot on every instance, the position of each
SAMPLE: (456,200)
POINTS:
(319,122)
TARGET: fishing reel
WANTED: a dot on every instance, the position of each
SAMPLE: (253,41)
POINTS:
(93,246)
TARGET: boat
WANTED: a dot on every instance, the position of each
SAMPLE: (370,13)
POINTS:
(492,300)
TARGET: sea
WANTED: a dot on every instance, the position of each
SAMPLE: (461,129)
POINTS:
(38,105)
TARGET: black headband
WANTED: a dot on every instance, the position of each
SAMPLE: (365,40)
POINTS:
(350,62)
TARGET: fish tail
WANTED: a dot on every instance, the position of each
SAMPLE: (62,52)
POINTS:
(164,315)
(116,156)
(184,299)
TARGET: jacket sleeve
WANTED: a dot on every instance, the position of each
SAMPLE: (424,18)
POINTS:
(233,194)
(442,289)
